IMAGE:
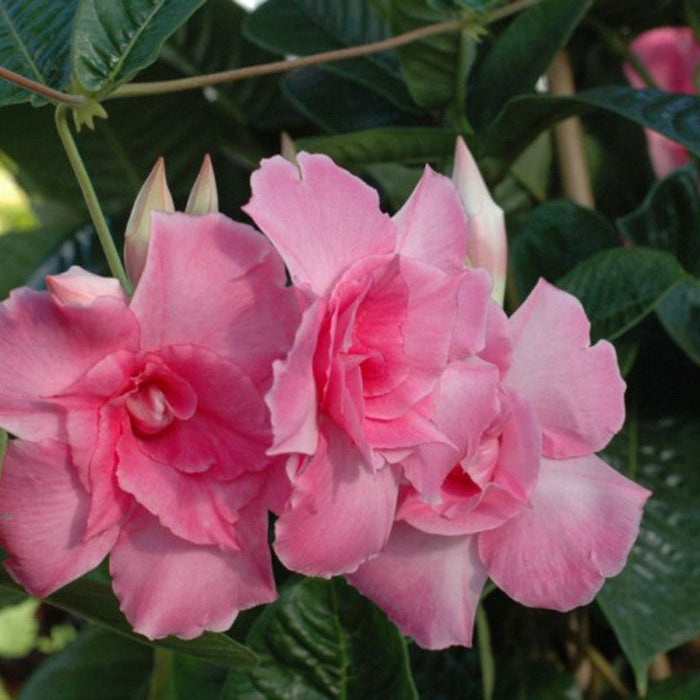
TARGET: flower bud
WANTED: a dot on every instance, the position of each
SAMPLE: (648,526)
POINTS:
(487,246)
(154,196)
(203,197)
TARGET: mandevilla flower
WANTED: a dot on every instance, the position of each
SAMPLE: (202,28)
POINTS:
(671,55)
(404,376)
(383,301)
(141,425)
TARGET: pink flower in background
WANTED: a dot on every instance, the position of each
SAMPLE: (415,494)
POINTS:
(386,300)
(527,503)
(142,427)
(671,55)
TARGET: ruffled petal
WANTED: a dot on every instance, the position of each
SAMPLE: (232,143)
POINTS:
(427,584)
(212,282)
(432,225)
(320,217)
(45,346)
(195,507)
(168,586)
(576,390)
(583,521)
(292,400)
(43,510)
(340,512)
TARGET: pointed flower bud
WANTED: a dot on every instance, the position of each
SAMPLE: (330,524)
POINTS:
(203,197)
(487,246)
(154,196)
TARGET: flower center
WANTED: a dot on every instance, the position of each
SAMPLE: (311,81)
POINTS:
(149,410)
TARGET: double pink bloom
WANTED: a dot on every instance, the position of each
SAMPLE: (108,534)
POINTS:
(408,434)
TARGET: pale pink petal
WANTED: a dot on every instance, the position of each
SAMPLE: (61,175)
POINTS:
(469,334)
(43,512)
(498,346)
(292,400)
(487,245)
(78,286)
(45,346)
(321,218)
(428,585)
(576,390)
(167,586)
(432,225)
(340,512)
(466,404)
(581,526)
(212,282)
(195,507)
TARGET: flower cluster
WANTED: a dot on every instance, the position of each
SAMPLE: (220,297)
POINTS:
(406,433)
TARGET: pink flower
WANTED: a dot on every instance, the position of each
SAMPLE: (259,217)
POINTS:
(385,301)
(671,55)
(519,496)
(142,429)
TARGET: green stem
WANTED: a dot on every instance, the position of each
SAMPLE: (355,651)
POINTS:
(93,204)
(486,661)
(55,96)
(600,663)
(199,81)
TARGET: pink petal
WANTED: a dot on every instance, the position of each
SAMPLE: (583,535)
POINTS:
(576,390)
(427,584)
(340,512)
(195,507)
(321,218)
(432,226)
(78,286)
(467,403)
(583,521)
(45,346)
(168,586)
(487,245)
(498,345)
(43,512)
(293,399)
(212,282)
(229,432)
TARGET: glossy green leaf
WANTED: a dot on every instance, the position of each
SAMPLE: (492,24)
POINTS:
(522,53)
(98,665)
(178,677)
(554,238)
(35,42)
(619,287)
(652,604)
(302,27)
(92,599)
(408,145)
(523,118)
(428,64)
(115,39)
(669,219)
(679,313)
(322,639)
(476,5)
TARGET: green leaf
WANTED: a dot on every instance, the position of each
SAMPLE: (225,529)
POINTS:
(679,313)
(522,53)
(35,42)
(652,604)
(675,116)
(619,287)
(303,27)
(408,145)
(322,639)
(177,677)
(92,599)
(555,237)
(669,219)
(115,39)
(428,64)
(339,105)
(96,666)
(684,686)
